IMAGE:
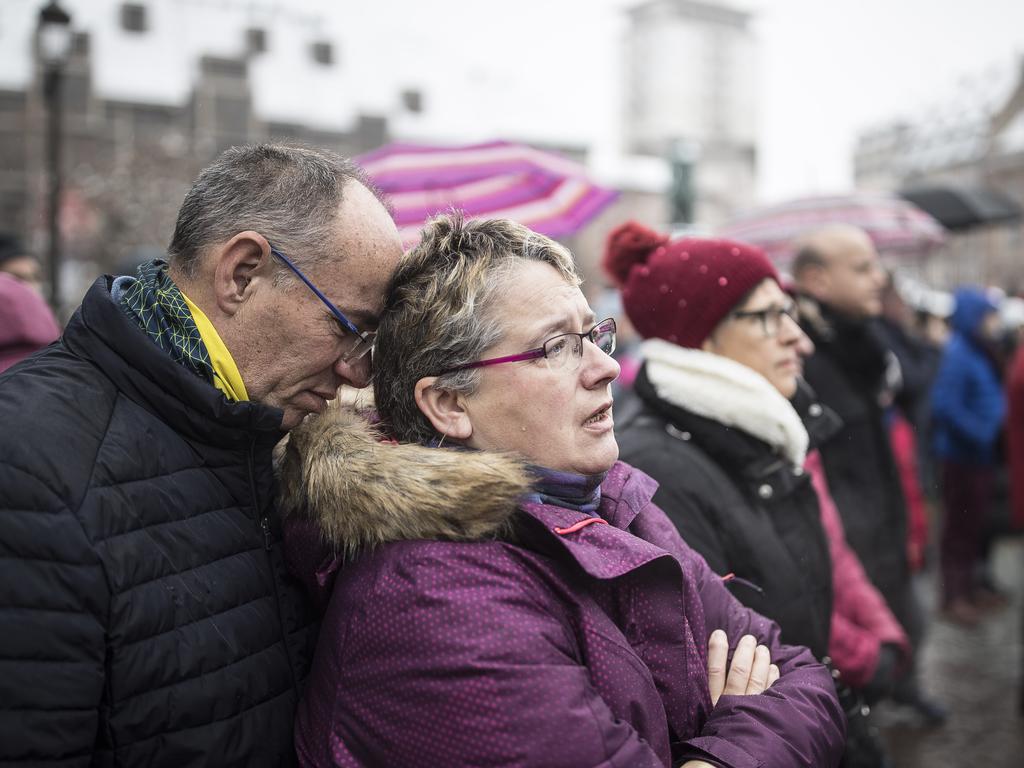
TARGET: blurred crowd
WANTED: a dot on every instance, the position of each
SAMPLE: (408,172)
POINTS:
(923,458)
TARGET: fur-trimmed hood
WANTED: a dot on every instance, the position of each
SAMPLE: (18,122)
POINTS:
(363,492)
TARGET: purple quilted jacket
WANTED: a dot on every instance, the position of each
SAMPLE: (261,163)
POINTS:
(576,642)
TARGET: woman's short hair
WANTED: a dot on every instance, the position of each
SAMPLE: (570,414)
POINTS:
(437,312)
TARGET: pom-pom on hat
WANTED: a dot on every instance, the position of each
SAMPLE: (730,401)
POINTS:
(679,290)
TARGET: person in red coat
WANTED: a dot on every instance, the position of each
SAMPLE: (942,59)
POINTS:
(26,322)
(1015,433)
(866,638)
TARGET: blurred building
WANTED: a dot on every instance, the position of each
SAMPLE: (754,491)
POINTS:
(972,145)
(157,88)
(135,136)
(691,99)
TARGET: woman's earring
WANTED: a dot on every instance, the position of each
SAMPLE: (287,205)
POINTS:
(444,436)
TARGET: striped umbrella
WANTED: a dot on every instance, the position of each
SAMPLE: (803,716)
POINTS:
(896,226)
(546,192)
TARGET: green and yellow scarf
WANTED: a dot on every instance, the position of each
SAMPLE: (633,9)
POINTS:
(178,327)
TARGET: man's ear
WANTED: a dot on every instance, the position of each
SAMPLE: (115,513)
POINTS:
(444,409)
(816,280)
(239,267)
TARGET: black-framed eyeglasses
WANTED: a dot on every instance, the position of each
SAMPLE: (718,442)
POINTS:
(770,317)
(562,351)
(361,341)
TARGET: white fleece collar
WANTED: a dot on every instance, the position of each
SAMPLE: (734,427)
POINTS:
(725,391)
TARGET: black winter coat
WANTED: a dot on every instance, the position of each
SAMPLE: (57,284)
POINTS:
(847,372)
(740,505)
(147,616)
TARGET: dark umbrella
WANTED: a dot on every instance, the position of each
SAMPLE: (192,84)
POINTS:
(959,208)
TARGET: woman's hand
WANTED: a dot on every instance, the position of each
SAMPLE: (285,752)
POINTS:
(751,670)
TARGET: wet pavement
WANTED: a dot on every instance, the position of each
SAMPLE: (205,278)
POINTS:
(977,674)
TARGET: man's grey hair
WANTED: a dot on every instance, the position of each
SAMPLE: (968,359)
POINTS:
(807,257)
(437,312)
(288,193)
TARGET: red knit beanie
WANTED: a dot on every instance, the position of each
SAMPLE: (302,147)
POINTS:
(679,290)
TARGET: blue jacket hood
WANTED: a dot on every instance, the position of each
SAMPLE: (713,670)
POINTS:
(972,304)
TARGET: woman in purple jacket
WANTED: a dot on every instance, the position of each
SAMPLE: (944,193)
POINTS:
(498,590)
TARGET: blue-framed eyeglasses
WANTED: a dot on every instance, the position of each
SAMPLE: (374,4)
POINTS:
(361,341)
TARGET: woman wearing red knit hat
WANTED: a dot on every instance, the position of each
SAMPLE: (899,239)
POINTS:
(715,421)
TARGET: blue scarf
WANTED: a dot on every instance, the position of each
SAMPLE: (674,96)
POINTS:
(567,489)
(551,486)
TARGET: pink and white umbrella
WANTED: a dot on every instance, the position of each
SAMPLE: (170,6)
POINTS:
(895,225)
(546,192)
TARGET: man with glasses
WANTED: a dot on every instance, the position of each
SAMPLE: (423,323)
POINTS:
(840,281)
(149,618)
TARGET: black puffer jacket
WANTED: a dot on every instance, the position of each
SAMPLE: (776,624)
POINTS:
(740,505)
(147,615)
(848,373)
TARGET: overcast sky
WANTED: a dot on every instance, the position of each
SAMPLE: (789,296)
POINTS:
(550,68)
(832,67)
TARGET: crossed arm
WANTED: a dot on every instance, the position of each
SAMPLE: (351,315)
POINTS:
(750,673)
(511,669)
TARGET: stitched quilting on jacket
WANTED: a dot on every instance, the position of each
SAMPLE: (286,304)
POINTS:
(464,626)
(148,616)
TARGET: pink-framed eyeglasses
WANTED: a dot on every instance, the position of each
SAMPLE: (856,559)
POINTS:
(562,351)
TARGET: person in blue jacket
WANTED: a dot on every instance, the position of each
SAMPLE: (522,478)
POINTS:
(968,409)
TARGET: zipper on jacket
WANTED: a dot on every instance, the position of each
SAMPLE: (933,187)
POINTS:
(264,522)
(265,525)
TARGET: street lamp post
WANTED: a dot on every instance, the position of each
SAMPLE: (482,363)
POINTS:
(54,47)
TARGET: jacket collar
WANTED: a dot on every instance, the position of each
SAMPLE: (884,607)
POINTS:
(725,392)
(749,462)
(100,332)
(727,446)
(362,493)
(603,547)
(822,422)
(853,344)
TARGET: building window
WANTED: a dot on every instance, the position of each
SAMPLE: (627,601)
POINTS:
(133,17)
(412,100)
(323,53)
(256,40)
(80,44)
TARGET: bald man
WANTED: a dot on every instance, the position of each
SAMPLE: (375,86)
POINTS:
(840,282)
(838,265)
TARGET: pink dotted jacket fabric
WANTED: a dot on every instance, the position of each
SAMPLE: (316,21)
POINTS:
(583,649)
